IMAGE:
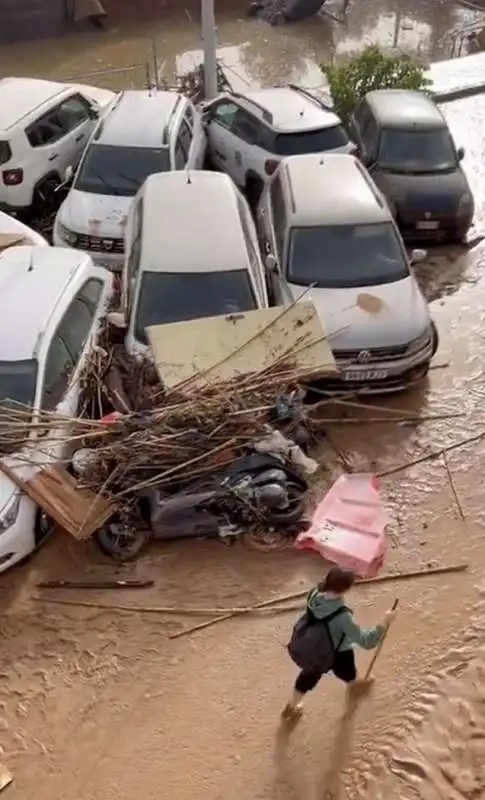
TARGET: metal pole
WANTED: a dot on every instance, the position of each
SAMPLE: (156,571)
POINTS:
(210,44)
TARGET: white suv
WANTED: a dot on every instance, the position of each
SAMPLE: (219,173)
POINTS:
(248,134)
(44,128)
(330,237)
(145,132)
(51,304)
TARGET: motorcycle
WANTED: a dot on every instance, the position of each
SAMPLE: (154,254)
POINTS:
(262,489)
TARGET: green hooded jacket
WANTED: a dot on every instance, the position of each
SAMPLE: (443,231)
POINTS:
(344,631)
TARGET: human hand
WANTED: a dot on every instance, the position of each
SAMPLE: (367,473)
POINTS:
(389,617)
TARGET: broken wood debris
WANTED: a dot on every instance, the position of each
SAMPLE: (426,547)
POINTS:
(275,605)
(80,512)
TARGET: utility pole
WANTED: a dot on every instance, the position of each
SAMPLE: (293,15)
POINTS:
(210,43)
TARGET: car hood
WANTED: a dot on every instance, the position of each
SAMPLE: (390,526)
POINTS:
(439,191)
(387,315)
(95,214)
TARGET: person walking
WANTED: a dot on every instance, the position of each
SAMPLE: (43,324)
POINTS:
(324,637)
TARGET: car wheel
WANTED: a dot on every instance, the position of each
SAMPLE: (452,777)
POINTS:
(435,339)
(46,200)
(43,526)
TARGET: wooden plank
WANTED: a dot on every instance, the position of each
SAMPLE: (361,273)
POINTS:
(78,511)
(221,348)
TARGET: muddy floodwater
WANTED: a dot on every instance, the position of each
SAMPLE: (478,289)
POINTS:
(253,52)
(100,704)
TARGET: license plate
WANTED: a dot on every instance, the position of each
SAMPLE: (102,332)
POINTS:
(431,225)
(367,375)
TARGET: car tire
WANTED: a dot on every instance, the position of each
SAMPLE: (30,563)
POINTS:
(435,339)
(254,187)
(45,200)
(43,526)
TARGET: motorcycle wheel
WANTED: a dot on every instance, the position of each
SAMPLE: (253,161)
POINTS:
(267,541)
(288,517)
(119,542)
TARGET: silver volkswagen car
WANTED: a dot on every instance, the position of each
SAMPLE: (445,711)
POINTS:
(327,233)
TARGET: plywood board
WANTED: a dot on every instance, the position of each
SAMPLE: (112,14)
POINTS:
(78,511)
(216,349)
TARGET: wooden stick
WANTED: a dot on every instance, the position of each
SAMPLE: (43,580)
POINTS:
(430,456)
(272,605)
(379,646)
(453,489)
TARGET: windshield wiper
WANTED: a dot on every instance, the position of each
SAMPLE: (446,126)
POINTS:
(108,185)
(129,179)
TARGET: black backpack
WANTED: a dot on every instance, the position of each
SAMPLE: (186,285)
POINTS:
(311,646)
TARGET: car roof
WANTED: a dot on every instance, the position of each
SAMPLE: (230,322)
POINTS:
(332,189)
(191,223)
(138,118)
(32,279)
(399,108)
(20,96)
(290,109)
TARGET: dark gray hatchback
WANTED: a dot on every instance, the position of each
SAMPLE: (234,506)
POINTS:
(405,143)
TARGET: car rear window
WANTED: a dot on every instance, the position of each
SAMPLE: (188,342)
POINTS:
(5,152)
(293,144)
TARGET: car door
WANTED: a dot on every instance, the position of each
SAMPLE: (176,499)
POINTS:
(221,143)
(78,120)
(66,358)
(197,141)
(275,227)
(43,157)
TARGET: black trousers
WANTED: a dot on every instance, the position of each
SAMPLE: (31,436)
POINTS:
(343,668)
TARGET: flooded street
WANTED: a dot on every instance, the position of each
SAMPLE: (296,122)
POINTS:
(253,52)
(101,704)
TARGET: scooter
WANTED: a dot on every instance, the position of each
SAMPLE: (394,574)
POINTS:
(264,488)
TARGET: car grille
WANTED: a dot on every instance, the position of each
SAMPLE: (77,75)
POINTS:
(372,355)
(99,244)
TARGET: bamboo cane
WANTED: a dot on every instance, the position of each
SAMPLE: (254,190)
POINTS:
(379,646)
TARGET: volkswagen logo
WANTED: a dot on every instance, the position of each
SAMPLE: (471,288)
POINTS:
(363,357)
(107,244)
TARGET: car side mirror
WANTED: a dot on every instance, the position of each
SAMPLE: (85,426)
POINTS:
(417,256)
(93,112)
(271,263)
(68,174)
(460,153)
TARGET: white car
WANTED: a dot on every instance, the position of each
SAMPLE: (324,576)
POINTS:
(248,134)
(171,275)
(330,237)
(52,301)
(44,128)
(13,231)
(144,132)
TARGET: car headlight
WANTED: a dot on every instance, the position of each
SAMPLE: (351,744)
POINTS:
(421,342)
(465,204)
(9,513)
(67,236)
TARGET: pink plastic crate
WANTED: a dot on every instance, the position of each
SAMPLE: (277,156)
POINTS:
(348,526)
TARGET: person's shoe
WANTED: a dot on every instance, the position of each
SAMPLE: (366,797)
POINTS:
(292,713)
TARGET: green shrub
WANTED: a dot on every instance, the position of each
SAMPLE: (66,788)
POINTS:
(371,69)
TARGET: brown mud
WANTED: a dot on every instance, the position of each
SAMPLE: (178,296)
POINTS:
(101,705)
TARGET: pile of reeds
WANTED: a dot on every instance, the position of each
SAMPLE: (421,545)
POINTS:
(185,435)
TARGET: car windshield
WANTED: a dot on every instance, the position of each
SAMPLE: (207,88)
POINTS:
(340,256)
(416,152)
(293,144)
(119,170)
(177,296)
